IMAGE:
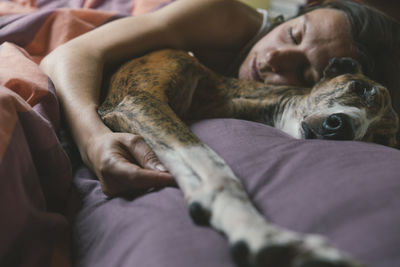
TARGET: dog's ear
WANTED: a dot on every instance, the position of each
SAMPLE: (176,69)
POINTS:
(339,66)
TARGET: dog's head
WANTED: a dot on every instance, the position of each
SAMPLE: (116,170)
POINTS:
(346,105)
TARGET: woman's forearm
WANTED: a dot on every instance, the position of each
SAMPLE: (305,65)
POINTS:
(76,69)
(76,75)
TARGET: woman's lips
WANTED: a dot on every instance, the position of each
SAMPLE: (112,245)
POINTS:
(254,71)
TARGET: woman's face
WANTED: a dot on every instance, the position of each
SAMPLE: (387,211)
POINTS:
(297,51)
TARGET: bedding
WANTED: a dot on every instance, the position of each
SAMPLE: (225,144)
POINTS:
(347,191)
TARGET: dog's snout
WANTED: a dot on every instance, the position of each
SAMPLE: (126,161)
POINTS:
(337,127)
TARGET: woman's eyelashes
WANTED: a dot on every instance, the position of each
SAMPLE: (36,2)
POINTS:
(294,36)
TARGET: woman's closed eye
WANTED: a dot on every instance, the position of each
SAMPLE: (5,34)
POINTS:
(297,31)
(292,36)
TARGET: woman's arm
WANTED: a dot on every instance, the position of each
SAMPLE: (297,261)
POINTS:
(76,70)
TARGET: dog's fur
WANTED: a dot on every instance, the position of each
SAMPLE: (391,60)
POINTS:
(150,95)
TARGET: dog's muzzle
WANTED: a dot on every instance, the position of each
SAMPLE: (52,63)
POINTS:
(337,126)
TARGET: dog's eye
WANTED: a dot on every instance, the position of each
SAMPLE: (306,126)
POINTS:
(363,89)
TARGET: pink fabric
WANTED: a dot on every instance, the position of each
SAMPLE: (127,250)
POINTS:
(35,173)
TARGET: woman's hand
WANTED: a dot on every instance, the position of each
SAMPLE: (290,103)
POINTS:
(124,163)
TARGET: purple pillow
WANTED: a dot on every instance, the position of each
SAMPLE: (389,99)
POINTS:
(346,191)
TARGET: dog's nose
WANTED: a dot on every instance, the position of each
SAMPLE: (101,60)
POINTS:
(337,126)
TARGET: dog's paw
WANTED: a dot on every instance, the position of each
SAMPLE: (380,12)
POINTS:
(278,255)
(283,248)
(315,251)
(199,214)
(270,247)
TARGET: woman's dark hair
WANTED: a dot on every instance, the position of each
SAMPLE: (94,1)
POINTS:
(377,38)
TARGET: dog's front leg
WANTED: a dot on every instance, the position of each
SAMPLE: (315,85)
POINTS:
(213,194)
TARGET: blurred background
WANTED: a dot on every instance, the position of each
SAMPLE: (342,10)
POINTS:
(257,3)
(289,8)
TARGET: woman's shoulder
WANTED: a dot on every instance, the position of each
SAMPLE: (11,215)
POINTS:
(214,24)
(215,30)
(240,55)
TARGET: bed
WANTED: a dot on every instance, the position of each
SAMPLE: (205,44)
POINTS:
(54,213)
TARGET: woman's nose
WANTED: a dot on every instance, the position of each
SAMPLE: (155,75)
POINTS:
(283,60)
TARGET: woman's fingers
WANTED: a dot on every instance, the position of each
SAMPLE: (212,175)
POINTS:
(125,177)
(124,163)
(142,153)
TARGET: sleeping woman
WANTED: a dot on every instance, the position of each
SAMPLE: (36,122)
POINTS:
(228,37)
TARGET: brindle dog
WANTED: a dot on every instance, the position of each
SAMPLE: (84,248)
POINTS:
(151,95)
